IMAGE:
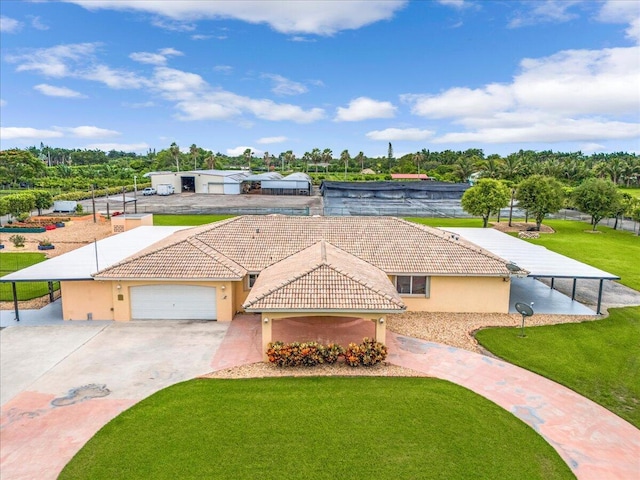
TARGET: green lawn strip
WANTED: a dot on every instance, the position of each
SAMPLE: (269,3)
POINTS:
(186,220)
(316,427)
(614,251)
(599,359)
(11,262)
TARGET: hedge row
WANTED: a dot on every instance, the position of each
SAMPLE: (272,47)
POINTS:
(76,196)
(309,354)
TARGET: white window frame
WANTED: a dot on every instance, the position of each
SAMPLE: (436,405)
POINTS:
(427,286)
(250,280)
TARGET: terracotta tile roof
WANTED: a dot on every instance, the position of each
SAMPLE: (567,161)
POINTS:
(323,277)
(389,243)
(230,248)
(180,256)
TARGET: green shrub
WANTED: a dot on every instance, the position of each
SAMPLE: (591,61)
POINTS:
(368,353)
(79,208)
(17,240)
(309,354)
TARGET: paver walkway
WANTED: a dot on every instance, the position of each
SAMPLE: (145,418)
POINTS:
(594,442)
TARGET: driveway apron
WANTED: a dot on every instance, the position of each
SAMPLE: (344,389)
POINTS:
(594,442)
(66,400)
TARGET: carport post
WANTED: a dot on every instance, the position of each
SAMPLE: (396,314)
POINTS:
(15,300)
(552,282)
(600,297)
(50,284)
(266,337)
(573,291)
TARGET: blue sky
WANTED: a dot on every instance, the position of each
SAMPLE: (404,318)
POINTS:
(295,75)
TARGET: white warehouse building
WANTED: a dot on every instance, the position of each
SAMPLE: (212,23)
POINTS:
(228,182)
(233,182)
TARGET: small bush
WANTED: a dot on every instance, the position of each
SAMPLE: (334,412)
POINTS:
(17,240)
(79,208)
(368,353)
(45,242)
(309,354)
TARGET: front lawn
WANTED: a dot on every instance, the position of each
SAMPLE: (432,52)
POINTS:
(316,427)
(599,359)
(11,262)
(186,220)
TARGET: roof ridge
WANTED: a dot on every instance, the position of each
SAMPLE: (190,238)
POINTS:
(218,256)
(358,280)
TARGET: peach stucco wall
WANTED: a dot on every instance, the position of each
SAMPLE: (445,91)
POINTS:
(463,294)
(84,297)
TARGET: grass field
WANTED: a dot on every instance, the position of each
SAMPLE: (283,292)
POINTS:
(11,262)
(598,359)
(316,427)
(187,220)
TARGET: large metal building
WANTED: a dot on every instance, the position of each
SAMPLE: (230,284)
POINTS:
(228,182)
(295,184)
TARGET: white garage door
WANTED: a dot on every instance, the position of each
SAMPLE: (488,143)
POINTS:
(173,302)
(216,188)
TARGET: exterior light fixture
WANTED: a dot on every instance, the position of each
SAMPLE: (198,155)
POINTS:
(266,320)
(381,320)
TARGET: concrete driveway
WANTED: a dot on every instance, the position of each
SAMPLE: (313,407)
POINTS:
(61,383)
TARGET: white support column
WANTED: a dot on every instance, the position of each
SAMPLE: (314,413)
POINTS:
(381,329)
(266,336)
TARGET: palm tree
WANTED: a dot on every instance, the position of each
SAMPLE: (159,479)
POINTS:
(316,157)
(417,157)
(247,154)
(327,156)
(193,150)
(465,168)
(360,158)
(345,157)
(174,150)
(267,160)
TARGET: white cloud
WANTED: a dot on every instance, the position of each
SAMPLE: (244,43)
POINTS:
(75,61)
(622,11)
(398,134)
(197,100)
(363,108)
(172,25)
(120,147)
(545,11)
(453,3)
(12,133)
(284,86)
(234,152)
(591,147)
(579,95)
(53,91)
(159,58)
(199,36)
(3,102)
(37,23)
(561,130)
(270,140)
(319,18)
(139,104)
(9,25)
(88,131)
(226,69)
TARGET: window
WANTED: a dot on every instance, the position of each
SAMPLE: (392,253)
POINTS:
(412,285)
(251,280)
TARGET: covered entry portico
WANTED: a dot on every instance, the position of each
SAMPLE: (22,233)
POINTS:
(325,285)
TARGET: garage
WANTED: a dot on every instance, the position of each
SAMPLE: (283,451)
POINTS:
(216,188)
(173,302)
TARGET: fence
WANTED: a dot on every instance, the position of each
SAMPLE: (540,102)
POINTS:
(47,291)
(205,210)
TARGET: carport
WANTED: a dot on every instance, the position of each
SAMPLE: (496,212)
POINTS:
(538,260)
(79,265)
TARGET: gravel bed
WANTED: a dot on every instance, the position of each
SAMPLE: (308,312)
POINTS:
(340,369)
(457,329)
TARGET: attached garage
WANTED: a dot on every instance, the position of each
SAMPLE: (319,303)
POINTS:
(173,302)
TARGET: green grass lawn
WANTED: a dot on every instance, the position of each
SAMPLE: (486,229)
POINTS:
(316,427)
(187,220)
(11,262)
(599,359)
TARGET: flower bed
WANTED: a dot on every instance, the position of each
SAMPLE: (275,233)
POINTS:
(21,229)
(309,354)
